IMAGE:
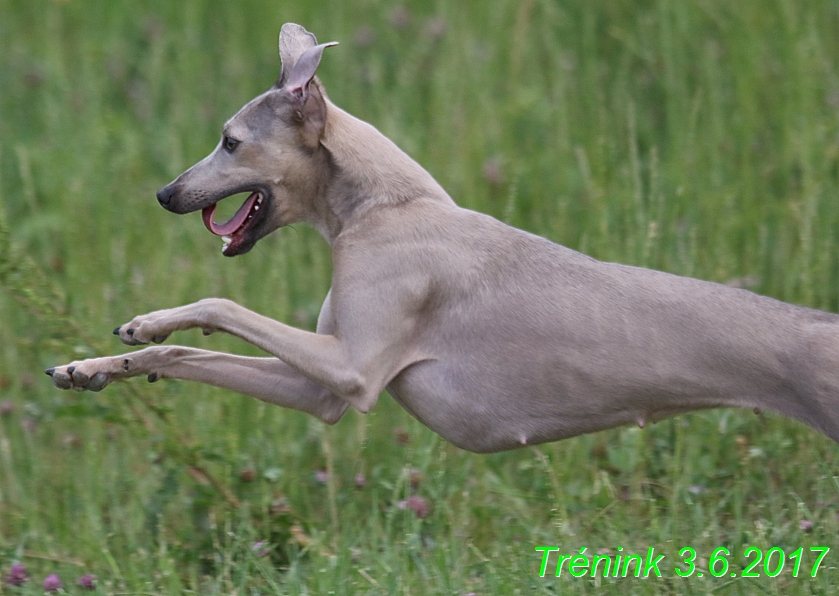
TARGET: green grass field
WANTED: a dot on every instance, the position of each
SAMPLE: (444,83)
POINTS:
(699,137)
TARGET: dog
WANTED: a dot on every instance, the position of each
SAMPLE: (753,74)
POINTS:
(492,337)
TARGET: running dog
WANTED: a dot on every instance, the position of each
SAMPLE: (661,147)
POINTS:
(490,336)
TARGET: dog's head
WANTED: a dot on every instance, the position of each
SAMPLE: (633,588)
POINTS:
(270,149)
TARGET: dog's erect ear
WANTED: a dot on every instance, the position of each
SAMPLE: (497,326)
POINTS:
(306,96)
(300,55)
(296,84)
(294,40)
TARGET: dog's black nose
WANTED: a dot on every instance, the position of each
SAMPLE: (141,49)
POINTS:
(164,196)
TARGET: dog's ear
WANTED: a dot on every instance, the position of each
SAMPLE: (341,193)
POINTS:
(294,41)
(296,85)
(307,96)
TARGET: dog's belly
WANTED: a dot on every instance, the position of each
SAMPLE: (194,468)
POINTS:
(483,412)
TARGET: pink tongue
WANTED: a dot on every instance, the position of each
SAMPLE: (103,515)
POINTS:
(232,224)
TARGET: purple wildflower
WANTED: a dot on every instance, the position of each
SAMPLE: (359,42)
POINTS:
(416,504)
(52,583)
(322,476)
(17,575)
(87,582)
(360,480)
(7,407)
(806,525)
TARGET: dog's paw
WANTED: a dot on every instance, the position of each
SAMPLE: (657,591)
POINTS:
(95,374)
(142,330)
(156,326)
(80,376)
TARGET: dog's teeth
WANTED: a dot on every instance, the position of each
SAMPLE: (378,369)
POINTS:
(256,207)
(227,239)
(259,199)
(224,248)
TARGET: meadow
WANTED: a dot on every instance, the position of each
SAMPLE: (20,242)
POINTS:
(700,137)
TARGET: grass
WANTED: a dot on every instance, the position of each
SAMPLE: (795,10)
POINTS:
(698,137)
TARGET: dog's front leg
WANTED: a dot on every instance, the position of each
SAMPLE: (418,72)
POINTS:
(322,358)
(156,326)
(268,379)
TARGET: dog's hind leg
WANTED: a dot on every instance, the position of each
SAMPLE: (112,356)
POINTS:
(268,379)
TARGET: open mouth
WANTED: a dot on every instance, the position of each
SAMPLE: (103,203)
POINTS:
(234,231)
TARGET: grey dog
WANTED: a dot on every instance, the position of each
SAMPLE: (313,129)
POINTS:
(490,336)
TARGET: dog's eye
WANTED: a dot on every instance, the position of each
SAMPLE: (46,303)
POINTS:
(229,144)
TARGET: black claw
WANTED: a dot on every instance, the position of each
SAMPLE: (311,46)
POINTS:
(70,369)
(153,377)
(49,371)
(125,364)
(116,331)
(130,332)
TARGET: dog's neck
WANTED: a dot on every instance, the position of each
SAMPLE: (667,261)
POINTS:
(367,171)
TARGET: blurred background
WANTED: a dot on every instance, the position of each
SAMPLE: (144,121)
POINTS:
(700,137)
